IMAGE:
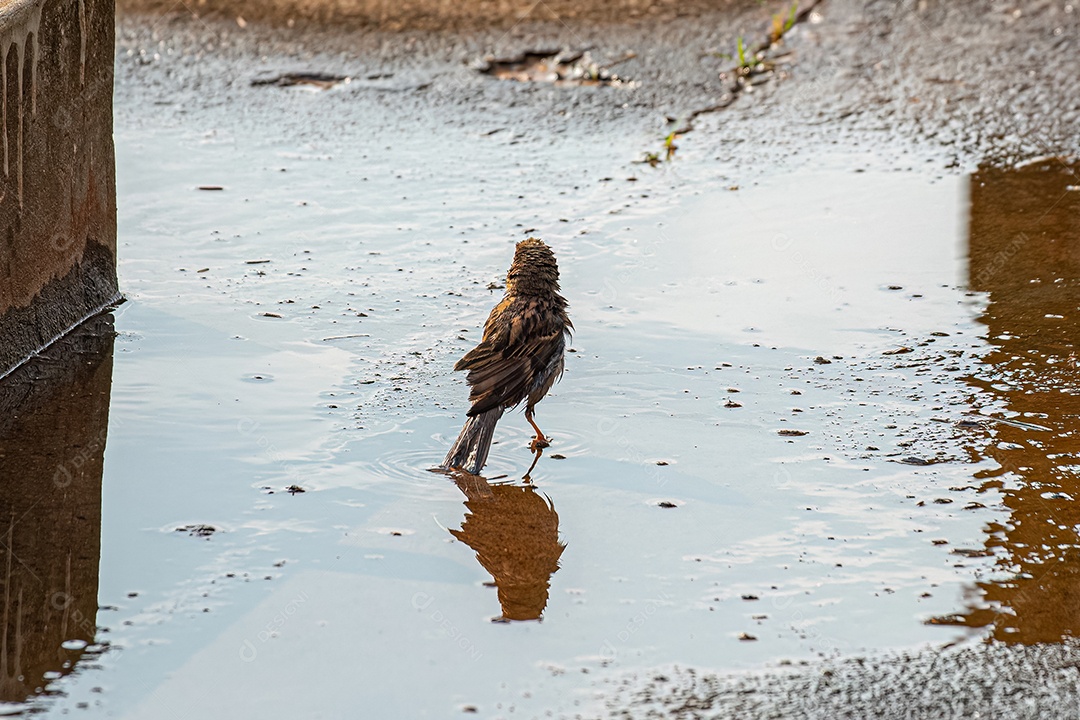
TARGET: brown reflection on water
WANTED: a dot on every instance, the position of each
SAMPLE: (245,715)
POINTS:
(515,533)
(53,417)
(1025,253)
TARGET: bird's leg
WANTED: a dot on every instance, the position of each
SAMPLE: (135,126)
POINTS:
(539,441)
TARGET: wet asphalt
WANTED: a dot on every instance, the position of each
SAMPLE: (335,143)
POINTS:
(933,87)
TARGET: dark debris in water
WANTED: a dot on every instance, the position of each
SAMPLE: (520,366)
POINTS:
(972,552)
(914,460)
(203,531)
(912,417)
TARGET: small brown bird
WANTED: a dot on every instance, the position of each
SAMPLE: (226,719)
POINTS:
(520,356)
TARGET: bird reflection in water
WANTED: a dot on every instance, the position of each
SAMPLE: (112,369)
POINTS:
(515,533)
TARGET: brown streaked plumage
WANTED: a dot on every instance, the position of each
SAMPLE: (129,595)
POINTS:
(520,356)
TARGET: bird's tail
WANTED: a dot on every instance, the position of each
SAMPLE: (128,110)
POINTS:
(470,451)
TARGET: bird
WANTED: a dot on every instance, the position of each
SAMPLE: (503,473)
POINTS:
(520,356)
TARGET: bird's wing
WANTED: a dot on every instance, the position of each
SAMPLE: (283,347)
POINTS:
(521,340)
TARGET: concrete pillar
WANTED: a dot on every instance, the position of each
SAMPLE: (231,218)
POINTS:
(57,176)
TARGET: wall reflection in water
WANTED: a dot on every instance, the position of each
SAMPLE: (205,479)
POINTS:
(53,418)
(1025,253)
(515,533)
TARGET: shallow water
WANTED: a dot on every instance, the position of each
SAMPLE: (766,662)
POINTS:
(298,328)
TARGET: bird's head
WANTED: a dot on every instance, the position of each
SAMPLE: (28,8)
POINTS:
(534,268)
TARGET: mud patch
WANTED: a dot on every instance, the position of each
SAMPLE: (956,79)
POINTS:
(323,81)
(560,67)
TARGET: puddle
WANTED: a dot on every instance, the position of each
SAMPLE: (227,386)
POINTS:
(736,427)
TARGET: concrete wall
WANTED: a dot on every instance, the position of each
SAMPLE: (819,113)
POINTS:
(57,180)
